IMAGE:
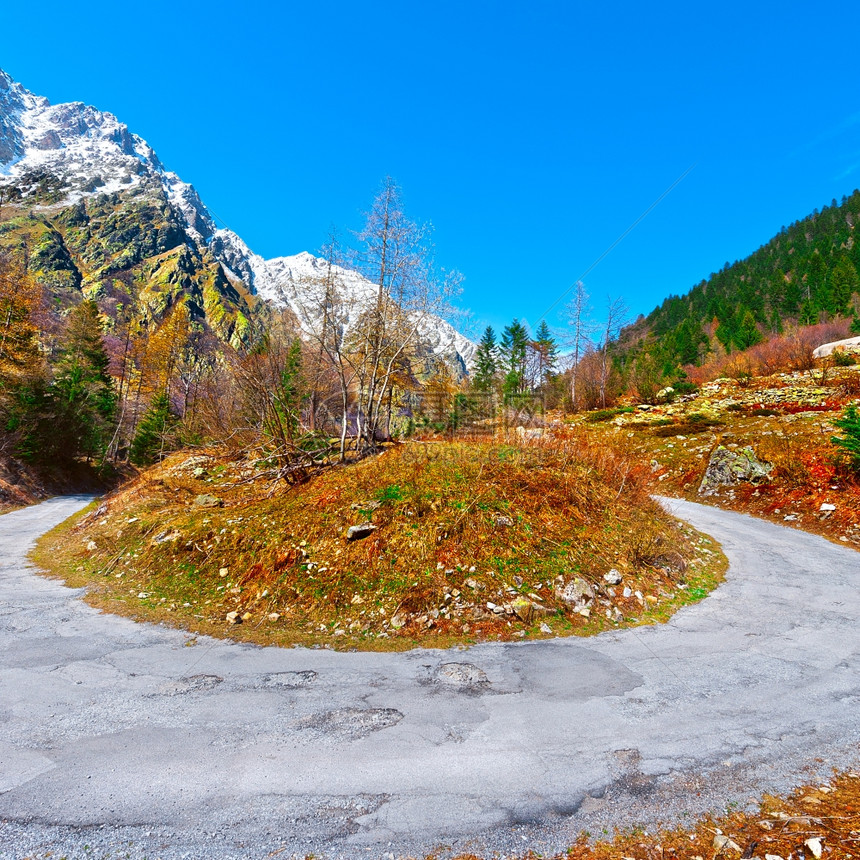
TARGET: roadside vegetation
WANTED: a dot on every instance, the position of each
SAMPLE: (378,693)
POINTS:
(801,427)
(425,543)
(814,821)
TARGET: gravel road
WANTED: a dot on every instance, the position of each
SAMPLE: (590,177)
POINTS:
(126,740)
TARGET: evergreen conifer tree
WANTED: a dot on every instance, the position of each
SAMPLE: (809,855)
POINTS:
(849,442)
(151,440)
(513,350)
(486,361)
(546,350)
(747,333)
(82,392)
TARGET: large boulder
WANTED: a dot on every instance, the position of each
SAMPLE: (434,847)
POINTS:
(850,344)
(727,467)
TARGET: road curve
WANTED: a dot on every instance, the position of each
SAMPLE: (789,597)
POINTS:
(118,735)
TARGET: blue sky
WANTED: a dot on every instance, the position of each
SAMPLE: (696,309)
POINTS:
(531,134)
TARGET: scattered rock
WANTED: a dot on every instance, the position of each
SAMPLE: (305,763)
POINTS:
(847,345)
(503,522)
(613,577)
(191,464)
(166,537)
(726,468)
(360,531)
(234,617)
(723,843)
(545,628)
(92,546)
(670,561)
(526,433)
(206,500)
(576,591)
(826,506)
(528,611)
(814,844)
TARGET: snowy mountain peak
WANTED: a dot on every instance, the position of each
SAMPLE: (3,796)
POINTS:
(90,152)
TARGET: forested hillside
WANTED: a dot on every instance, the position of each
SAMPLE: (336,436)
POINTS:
(806,274)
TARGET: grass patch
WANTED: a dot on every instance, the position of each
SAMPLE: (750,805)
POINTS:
(597,415)
(467,542)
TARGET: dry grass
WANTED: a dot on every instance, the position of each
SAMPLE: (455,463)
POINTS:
(815,820)
(792,432)
(462,532)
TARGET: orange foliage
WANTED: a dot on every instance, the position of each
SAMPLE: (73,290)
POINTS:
(780,354)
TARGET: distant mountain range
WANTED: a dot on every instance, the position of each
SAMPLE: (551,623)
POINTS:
(97,210)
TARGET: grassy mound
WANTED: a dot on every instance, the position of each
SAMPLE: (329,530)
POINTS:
(460,542)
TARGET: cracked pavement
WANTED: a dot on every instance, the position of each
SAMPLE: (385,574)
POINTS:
(119,739)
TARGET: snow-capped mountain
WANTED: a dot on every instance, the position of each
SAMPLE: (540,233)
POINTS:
(88,152)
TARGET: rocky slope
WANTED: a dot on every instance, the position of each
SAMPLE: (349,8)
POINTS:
(101,215)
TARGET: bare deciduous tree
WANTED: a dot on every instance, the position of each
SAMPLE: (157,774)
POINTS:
(616,318)
(396,255)
(579,340)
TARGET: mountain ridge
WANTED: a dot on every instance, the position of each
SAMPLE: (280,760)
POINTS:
(63,155)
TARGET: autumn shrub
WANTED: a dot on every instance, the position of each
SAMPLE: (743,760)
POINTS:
(850,384)
(788,458)
(783,353)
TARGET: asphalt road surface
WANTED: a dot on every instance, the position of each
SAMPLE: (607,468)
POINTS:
(121,740)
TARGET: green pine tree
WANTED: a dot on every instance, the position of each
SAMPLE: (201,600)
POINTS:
(808,314)
(546,350)
(486,361)
(152,439)
(513,350)
(849,424)
(844,281)
(747,333)
(82,392)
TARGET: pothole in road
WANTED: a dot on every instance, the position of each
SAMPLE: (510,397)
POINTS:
(462,676)
(191,684)
(287,680)
(351,723)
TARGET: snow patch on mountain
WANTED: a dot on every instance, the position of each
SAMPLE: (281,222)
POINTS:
(288,282)
(94,153)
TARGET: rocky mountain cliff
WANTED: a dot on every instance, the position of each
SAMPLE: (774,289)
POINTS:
(100,216)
